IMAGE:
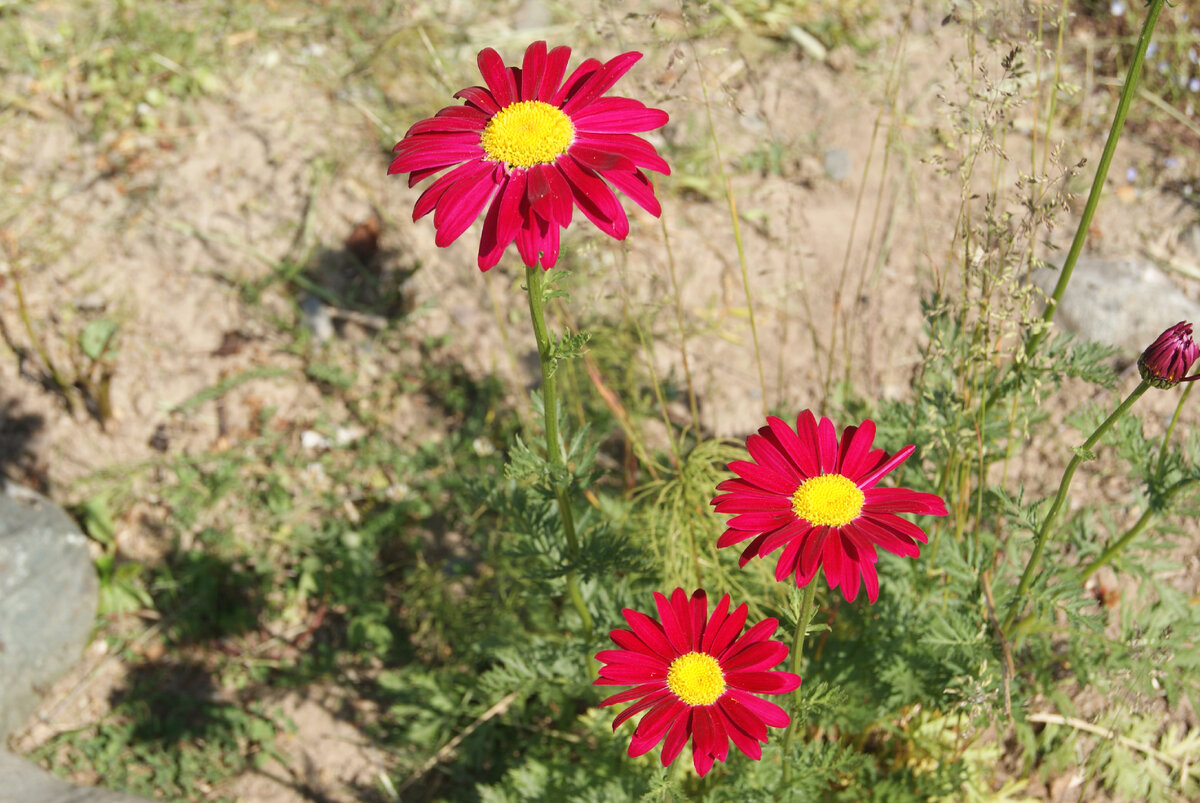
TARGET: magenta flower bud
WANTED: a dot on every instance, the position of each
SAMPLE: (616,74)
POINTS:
(1164,364)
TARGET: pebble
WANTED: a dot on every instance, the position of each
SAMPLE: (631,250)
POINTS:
(837,164)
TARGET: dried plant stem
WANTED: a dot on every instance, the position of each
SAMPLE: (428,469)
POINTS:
(693,407)
(64,387)
(737,231)
(1109,733)
(1128,90)
(1047,529)
(807,609)
(535,285)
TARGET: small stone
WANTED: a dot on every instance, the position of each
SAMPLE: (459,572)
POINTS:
(317,318)
(837,164)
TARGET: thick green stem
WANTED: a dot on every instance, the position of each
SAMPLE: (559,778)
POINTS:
(535,284)
(1142,523)
(1047,528)
(1110,146)
(806,613)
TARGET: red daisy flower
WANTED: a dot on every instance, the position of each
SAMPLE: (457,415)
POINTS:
(697,678)
(536,146)
(816,498)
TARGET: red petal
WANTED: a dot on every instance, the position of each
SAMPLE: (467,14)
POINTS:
(443,123)
(743,717)
(790,443)
(646,689)
(788,559)
(502,222)
(882,469)
(759,632)
(650,632)
(712,627)
(618,115)
(599,159)
(631,147)
(758,503)
(556,66)
(637,187)
(903,500)
(731,537)
(480,98)
(857,449)
(595,199)
(751,551)
(795,530)
(764,478)
(810,558)
(497,76)
(632,659)
(582,73)
(655,724)
(901,527)
(549,194)
(458,209)
(728,631)
(827,446)
(666,615)
(471,171)
(885,538)
(434,157)
(677,737)
(600,81)
(636,709)
(740,738)
(531,70)
(768,713)
(767,455)
(760,522)
(763,682)
(757,657)
(699,615)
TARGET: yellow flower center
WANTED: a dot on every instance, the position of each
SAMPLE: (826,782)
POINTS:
(696,678)
(527,133)
(829,500)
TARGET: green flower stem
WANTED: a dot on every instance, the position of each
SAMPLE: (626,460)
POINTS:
(1162,452)
(1047,528)
(807,609)
(1110,146)
(1142,523)
(535,283)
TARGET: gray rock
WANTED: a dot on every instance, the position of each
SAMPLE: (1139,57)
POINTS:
(24,782)
(48,594)
(317,318)
(47,600)
(1123,303)
(837,164)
